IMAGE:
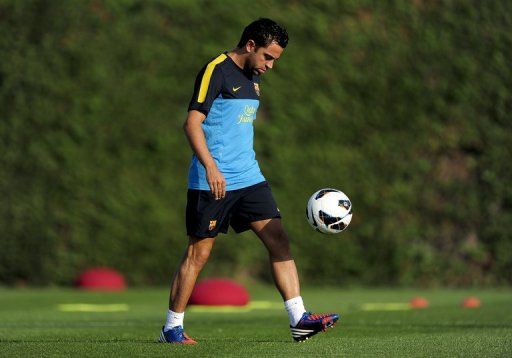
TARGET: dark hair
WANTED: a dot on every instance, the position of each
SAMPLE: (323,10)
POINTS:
(263,32)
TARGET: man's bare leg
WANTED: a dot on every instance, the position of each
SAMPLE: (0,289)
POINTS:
(183,282)
(284,271)
(185,277)
(302,325)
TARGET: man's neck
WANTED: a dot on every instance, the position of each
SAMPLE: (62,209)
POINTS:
(239,57)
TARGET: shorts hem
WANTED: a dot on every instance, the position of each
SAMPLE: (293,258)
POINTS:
(246,227)
(205,236)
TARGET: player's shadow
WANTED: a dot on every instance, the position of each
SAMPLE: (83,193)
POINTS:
(269,340)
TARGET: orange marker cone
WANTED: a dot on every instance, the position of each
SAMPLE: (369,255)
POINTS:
(471,302)
(418,302)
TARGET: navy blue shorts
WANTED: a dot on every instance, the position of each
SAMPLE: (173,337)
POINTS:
(206,217)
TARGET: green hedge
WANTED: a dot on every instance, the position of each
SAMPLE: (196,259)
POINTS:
(404,107)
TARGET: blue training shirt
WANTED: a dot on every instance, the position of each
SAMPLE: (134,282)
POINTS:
(229,97)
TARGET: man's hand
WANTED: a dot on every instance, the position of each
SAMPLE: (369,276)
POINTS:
(216,182)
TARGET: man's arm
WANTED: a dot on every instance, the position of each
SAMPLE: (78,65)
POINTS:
(197,140)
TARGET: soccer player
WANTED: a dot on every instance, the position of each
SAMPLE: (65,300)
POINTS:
(225,184)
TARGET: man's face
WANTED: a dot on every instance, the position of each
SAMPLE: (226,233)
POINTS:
(262,58)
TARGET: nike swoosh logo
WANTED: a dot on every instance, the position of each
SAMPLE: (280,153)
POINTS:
(236,88)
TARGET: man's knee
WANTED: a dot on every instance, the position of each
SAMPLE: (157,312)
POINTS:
(200,257)
(199,252)
(279,245)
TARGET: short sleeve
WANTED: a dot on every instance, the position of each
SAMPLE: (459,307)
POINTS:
(207,88)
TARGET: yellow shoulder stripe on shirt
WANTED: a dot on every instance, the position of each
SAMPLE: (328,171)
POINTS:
(205,82)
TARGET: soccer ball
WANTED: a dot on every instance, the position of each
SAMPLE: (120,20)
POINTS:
(329,211)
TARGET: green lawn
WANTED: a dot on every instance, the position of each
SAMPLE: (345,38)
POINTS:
(33,322)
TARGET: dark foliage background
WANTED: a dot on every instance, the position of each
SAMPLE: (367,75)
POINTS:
(404,105)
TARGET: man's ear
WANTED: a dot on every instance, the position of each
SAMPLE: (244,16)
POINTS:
(250,46)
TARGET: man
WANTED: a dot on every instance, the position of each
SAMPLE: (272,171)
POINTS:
(226,186)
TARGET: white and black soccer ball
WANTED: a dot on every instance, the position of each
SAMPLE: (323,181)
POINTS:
(329,211)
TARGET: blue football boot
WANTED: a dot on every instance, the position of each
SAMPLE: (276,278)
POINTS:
(175,335)
(311,324)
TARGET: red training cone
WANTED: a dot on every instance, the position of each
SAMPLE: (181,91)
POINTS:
(471,302)
(418,302)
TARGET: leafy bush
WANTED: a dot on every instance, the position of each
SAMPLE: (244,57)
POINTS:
(403,107)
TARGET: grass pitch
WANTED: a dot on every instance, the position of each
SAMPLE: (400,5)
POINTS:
(374,322)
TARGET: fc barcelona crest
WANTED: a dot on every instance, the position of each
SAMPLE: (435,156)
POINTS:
(257,88)
(213,223)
